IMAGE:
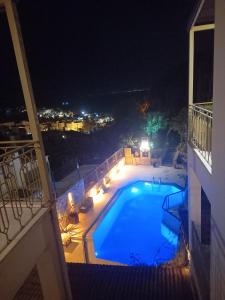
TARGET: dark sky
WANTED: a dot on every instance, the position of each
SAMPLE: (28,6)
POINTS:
(81,51)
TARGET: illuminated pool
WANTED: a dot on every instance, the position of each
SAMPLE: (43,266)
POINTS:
(136,230)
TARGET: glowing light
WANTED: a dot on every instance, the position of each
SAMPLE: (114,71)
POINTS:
(93,192)
(121,164)
(134,190)
(147,183)
(144,145)
(70,198)
(188,254)
(113,174)
(106,182)
(97,195)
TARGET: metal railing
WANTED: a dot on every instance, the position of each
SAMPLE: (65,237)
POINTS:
(173,200)
(21,193)
(98,173)
(206,105)
(170,205)
(200,129)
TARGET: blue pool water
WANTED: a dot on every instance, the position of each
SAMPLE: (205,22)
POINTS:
(136,230)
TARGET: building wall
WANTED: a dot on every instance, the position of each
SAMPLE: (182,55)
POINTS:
(213,183)
(218,158)
(36,247)
(194,204)
(76,192)
(219,118)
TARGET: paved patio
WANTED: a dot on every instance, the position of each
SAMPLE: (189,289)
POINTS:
(74,251)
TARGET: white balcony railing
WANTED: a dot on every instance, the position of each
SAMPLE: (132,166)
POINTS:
(97,174)
(21,195)
(200,129)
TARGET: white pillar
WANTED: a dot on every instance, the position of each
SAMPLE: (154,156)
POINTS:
(46,264)
(194,203)
(191,67)
(22,65)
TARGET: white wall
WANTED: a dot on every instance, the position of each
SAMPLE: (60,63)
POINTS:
(36,245)
(218,158)
(204,176)
(194,203)
(218,153)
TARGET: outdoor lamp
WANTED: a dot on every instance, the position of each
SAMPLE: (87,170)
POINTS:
(144,147)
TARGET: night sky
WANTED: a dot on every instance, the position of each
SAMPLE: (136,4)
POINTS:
(86,51)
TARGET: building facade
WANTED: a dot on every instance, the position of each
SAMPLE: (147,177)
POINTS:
(206,165)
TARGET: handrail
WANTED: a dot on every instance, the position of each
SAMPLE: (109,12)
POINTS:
(106,165)
(202,110)
(200,131)
(169,212)
(203,103)
(17,142)
(15,148)
(167,196)
(21,190)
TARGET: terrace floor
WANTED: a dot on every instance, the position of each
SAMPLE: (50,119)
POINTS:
(133,283)
(130,173)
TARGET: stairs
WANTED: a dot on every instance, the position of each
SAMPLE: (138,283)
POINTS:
(168,156)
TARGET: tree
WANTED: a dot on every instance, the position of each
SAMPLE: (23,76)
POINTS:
(179,124)
(155,121)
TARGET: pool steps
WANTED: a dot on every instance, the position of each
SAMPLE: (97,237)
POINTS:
(155,181)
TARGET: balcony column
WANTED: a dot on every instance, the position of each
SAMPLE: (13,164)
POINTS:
(191,67)
(22,65)
(194,203)
(48,197)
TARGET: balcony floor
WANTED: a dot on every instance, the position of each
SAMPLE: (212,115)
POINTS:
(130,173)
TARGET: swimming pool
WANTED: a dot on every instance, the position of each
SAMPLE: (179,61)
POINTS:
(136,229)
